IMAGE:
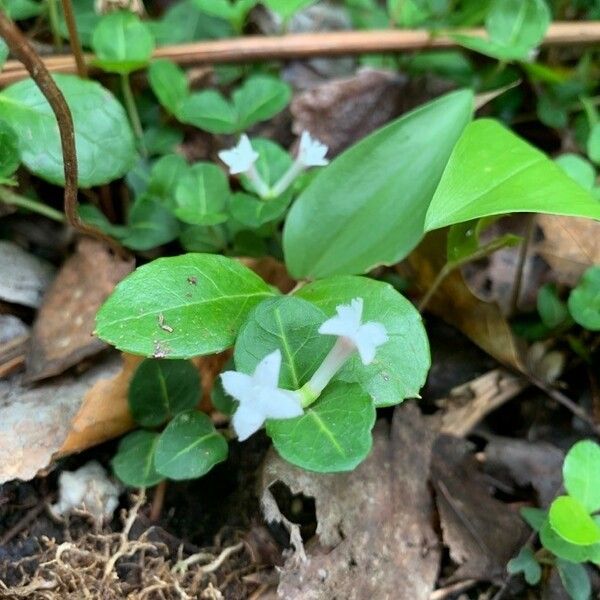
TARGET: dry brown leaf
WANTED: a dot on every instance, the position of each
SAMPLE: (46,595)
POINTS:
(375,538)
(570,246)
(481,532)
(480,321)
(62,334)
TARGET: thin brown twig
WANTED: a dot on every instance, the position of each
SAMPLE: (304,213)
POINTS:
(76,48)
(307,45)
(22,49)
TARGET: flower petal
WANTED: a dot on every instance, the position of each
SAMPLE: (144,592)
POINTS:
(368,338)
(246,421)
(238,385)
(267,371)
(280,404)
(239,158)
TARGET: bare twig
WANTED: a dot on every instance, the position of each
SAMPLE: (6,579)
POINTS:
(76,49)
(21,48)
(306,45)
(183,565)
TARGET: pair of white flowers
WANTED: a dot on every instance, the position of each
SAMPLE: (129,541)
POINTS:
(242,159)
(259,395)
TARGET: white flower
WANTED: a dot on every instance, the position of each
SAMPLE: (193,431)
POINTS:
(240,158)
(259,396)
(311,152)
(365,337)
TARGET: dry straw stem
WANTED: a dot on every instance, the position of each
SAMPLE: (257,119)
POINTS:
(307,45)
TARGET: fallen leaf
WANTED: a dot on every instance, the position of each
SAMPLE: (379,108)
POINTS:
(374,533)
(23,277)
(62,334)
(480,321)
(481,533)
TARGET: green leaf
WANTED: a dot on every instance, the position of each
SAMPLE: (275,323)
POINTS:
(333,435)
(222,401)
(165,176)
(9,151)
(526,563)
(578,169)
(149,224)
(196,238)
(105,145)
(169,83)
(401,364)
(584,300)
(133,463)
(122,43)
(3,53)
(563,549)
(368,206)
(254,213)
(161,139)
(290,325)
(593,144)
(204,298)
(208,110)
(492,172)
(286,9)
(202,195)
(161,389)
(515,27)
(86,20)
(235,11)
(575,579)
(571,520)
(260,98)
(19,10)
(189,447)
(581,472)
(552,310)
(534,517)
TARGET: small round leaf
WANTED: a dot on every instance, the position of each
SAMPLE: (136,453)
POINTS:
(584,301)
(571,521)
(134,462)
(581,472)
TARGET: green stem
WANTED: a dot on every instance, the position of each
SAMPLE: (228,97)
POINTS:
(53,19)
(9,197)
(133,113)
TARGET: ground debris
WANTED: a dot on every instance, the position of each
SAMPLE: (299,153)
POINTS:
(374,535)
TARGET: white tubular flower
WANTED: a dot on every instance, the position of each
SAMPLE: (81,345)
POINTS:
(353,335)
(240,158)
(311,152)
(259,396)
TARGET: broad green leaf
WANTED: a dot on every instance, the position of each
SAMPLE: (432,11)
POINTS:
(161,139)
(515,27)
(169,83)
(189,447)
(333,435)
(575,579)
(571,521)
(133,463)
(578,169)
(552,310)
(273,161)
(593,144)
(401,364)
(165,175)
(161,389)
(202,195)
(122,43)
(260,98)
(368,206)
(563,549)
(291,325)
(584,300)
(203,298)
(19,10)
(581,472)
(105,145)
(492,171)
(9,151)
(286,9)
(208,110)
(526,563)
(534,517)
(149,225)
(251,212)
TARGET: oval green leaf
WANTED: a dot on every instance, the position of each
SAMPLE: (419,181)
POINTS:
(105,145)
(584,300)
(368,206)
(189,447)
(333,435)
(9,151)
(161,389)
(563,549)
(401,365)
(581,473)
(133,463)
(181,307)
(571,521)
(169,83)
(493,172)
(260,98)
